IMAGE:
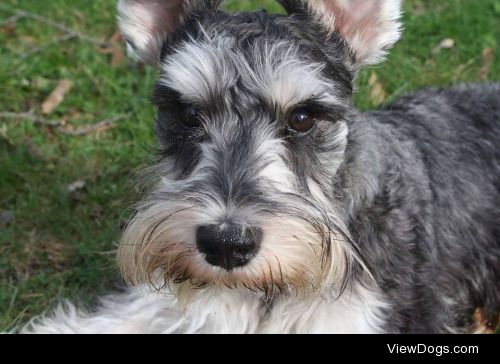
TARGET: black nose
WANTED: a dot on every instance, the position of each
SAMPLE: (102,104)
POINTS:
(229,246)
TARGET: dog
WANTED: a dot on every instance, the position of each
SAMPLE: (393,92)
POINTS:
(277,207)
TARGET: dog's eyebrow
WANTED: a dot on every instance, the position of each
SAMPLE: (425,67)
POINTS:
(199,71)
(289,81)
(277,72)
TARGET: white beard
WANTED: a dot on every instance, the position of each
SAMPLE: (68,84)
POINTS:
(222,311)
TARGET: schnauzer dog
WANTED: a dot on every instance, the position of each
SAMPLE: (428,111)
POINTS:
(277,207)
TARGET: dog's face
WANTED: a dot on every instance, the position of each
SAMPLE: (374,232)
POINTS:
(253,115)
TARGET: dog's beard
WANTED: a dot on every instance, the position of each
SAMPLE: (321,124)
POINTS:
(305,247)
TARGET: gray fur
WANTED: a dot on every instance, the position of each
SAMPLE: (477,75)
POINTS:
(431,228)
(408,194)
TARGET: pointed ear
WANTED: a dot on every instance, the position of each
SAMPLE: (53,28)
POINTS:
(146,24)
(370,27)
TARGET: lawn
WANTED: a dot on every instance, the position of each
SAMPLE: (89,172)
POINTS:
(64,189)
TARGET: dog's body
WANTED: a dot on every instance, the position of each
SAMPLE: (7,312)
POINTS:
(345,222)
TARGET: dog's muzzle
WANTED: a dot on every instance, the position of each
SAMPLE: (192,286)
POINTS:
(229,245)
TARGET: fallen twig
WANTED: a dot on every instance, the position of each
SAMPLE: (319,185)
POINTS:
(10,20)
(32,117)
(62,126)
(53,24)
(94,128)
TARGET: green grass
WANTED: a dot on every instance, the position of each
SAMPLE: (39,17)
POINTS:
(60,246)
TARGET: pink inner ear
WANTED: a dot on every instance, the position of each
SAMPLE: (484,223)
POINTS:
(167,15)
(356,17)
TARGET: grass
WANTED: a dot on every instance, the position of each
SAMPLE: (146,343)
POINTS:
(60,244)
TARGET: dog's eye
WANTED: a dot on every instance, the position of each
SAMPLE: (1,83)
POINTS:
(301,120)
(191,116)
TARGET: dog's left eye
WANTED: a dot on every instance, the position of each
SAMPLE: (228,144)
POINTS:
(301,120)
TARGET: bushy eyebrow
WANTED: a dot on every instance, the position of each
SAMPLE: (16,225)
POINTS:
(277,71)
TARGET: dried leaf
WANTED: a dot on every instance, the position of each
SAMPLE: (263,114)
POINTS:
(57,96)
(483,324)
(487,59)
(8,29)
(377,92)
(446,43)
(117,37)
(115,49)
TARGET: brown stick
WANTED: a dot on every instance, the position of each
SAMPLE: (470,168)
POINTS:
(77,131)
(10,20)
(94,128)
(32,117)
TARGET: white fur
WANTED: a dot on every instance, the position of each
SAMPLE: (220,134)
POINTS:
(370,27)
(136,24)
(146,24)
(201,69)
(358,310)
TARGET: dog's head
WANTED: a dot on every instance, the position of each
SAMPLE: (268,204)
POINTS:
(253,115)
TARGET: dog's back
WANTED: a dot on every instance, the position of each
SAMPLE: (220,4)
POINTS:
(443,176)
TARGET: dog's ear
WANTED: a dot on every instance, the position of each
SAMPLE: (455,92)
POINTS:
(146,24)
(370,27)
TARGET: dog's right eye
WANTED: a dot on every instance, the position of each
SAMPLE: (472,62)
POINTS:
(191,117)
(301,120)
